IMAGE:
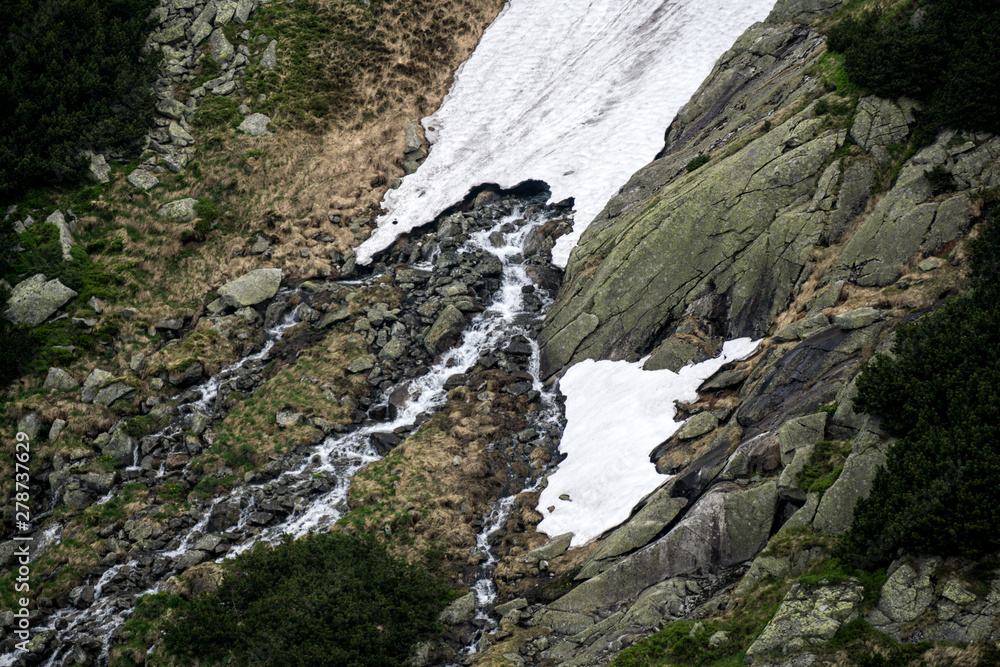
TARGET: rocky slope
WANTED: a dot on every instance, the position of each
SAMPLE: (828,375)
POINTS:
(803,223)
(780,208)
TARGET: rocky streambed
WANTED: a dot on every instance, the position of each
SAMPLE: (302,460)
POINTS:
(460,313)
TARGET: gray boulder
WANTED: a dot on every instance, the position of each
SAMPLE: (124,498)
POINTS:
(445,331)
(836,509)
(65,234)
(879,122)
(808,616)
(255,124)
(180,210)
(98,170)
(60,380)
(108,394)
(252,288)
(462,610)
(270,58)
(34,300)
(118,445)
(220,48)
(171,108)
(243,10)
(93,384)
(143,180)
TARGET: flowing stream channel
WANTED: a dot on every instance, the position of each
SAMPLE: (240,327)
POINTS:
(338,457)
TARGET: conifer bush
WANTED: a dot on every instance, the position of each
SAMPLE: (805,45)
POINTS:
(326,599)
(73,76)
(942,53)
(940,396)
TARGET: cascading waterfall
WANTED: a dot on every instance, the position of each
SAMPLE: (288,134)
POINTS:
(340,457)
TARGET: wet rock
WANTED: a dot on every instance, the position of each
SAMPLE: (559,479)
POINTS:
(445,331)
(385,442)
(223,516)
(81,597)
(34,300)
(186,375)
(191,558)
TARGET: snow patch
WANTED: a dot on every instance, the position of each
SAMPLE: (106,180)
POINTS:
(576,93)
(616,413)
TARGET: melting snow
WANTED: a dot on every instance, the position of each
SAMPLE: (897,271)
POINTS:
(616,413)
(576,93)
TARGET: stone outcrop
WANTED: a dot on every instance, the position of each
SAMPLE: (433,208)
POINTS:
(36,299)
(180,210)
(808,617)
(633,272)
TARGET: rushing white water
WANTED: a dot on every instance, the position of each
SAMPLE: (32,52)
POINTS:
(340,457)
(576,93)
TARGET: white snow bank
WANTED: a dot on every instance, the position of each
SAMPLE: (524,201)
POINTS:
(616,413)
(576,93)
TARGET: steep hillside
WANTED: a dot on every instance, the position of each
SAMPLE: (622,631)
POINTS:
(200,367)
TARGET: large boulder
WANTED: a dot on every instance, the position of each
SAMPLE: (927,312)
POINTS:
(256,125)
(98,169)
(60,380)
(836,509)
(180,210)
(445,331)
(879,122)
(35,300)
(220,48)
(65,234)
(252,288)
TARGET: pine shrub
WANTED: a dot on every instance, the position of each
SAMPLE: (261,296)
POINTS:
(327,599)
(943,54)
(940,396)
